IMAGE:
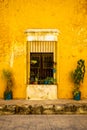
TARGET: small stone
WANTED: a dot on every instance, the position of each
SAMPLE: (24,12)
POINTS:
(80,110)
(47,107)
(48,112)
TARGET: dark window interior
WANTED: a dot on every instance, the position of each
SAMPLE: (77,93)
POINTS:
(41,68)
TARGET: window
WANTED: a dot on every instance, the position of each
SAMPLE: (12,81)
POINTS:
(41,68)
(41,53)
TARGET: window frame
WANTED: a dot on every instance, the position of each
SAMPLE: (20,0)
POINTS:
(42,35)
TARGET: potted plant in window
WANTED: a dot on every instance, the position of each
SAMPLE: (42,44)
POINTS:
(78,77)
(50,80)
(8,78)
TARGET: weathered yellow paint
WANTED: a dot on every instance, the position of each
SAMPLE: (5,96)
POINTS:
(69,16)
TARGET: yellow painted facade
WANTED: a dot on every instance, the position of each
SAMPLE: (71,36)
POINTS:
(68,16)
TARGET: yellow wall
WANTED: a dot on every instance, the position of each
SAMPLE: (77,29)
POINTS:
(69,16)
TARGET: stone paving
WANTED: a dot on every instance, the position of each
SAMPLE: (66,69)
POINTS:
(43,122)
(44,107)
(33,102)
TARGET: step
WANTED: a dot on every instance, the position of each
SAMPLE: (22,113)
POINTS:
(45,107)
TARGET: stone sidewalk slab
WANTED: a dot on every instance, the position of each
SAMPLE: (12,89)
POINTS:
(39,102)
(43,122)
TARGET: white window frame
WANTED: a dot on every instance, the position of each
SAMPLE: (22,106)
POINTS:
(34,35)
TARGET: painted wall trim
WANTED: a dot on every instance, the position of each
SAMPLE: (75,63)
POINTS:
(42,34)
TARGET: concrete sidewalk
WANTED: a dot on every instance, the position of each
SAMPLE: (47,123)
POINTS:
(43,122)
(42,102)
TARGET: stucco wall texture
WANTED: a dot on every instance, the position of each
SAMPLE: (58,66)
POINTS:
(68,16)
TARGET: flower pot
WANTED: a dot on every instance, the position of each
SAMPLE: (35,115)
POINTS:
(77,96)
(8,95)
(45,82)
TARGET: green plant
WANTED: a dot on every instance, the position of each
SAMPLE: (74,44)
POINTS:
(50,80)
(8,78)
(78,76)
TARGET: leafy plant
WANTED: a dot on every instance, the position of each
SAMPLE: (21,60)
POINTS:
(78,75)
(50,80)
(8,78)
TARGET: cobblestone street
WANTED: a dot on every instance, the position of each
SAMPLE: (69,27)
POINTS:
(43,122)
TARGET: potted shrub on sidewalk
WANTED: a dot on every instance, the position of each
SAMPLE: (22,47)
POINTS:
(8,78)
(78,77)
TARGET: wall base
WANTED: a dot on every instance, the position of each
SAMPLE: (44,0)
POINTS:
(41,92)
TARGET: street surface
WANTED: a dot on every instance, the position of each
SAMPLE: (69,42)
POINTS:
(43,122)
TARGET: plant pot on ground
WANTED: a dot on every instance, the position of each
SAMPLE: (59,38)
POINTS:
(8,79)
(78,77)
